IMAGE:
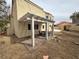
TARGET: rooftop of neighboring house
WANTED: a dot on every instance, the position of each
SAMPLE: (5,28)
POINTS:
(64,22)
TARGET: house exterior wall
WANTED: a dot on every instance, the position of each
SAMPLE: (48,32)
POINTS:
(24,6)
(61,26)
(23,29)
(20,8)
(50,17)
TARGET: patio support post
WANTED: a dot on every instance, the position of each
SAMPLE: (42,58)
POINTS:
(52,30)
(46,30)
(33,35)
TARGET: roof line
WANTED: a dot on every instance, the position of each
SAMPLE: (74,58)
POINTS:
(33,4)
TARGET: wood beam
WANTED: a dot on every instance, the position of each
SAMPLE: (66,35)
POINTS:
(33,33)
(52,30)
(46,30)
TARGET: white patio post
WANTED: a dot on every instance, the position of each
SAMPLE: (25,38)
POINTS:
(46,30)
(33,35)
(52,30)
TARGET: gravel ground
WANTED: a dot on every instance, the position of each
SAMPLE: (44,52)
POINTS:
(62,47)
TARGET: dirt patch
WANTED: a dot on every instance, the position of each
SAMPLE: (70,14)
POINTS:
(62,49)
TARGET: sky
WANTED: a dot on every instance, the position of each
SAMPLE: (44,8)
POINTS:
(61,9)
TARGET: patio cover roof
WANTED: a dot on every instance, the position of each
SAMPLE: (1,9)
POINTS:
(30,15)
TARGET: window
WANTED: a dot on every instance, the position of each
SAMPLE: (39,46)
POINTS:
(36,26)
(29,26)
(46,17)
(43,26)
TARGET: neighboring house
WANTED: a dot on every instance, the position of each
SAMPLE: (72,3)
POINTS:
(29,19)
(64,25)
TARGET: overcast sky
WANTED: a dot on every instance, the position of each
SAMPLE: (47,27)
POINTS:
(61,9)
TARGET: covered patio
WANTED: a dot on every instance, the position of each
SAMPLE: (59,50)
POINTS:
(37,19)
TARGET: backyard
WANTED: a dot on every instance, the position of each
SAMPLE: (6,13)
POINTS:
(64,46)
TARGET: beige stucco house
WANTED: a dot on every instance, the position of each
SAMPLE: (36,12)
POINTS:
(64,25)
(29,19)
